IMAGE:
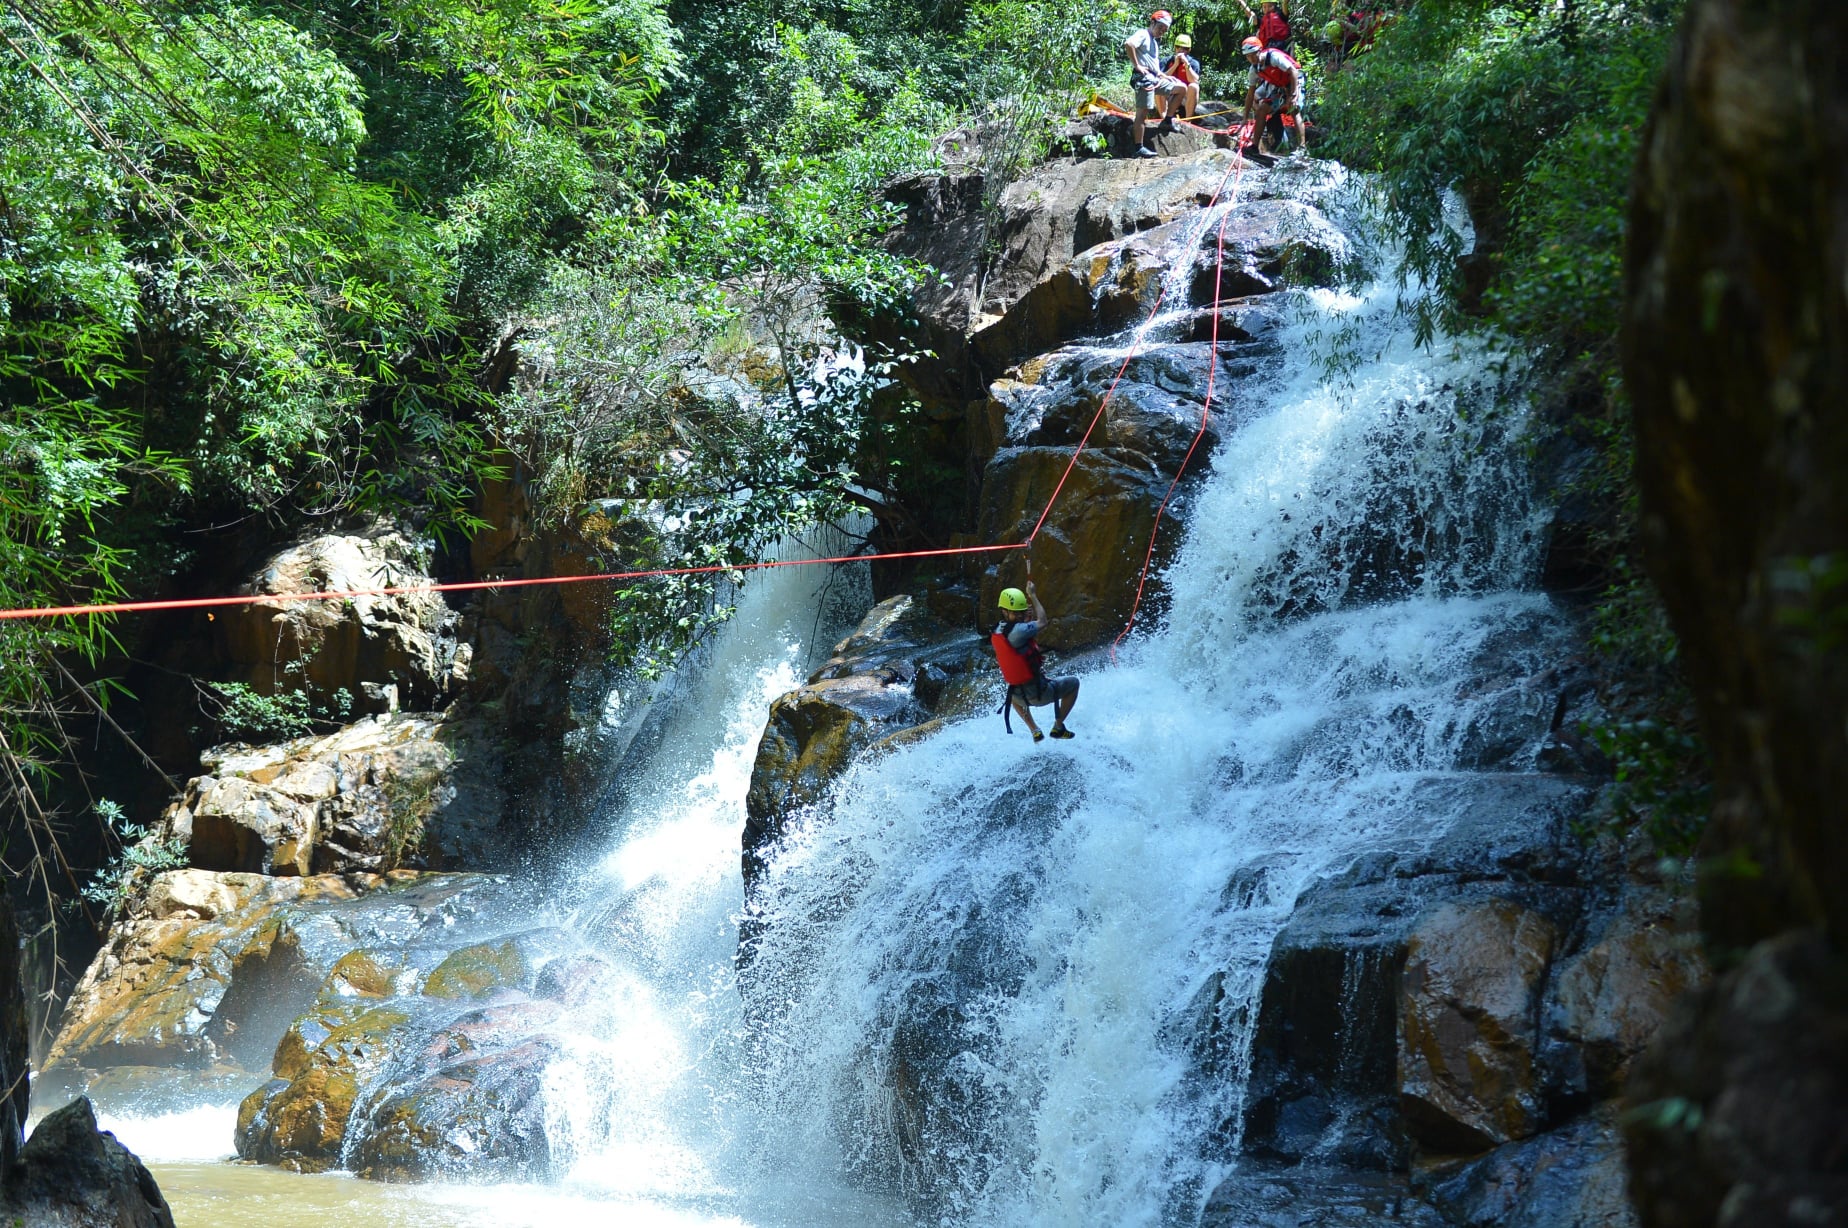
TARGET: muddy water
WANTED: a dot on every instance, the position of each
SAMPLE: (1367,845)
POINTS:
(225,1194)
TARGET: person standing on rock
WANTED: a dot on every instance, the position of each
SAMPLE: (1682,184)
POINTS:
(1276,88)
(1155,89)
(1023,664)
(1272,22)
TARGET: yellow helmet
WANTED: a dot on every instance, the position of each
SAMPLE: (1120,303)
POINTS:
(1013,599)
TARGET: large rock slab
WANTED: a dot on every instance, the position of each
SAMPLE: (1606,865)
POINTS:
(1469,1025)
(209,970)
(386,793)
(1569,1178)
(1090,550)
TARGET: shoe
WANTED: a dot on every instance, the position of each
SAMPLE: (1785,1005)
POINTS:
(1060,731)
(1165,126)
(1143,151)
(1040,737)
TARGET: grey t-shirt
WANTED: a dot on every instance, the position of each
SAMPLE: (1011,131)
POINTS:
(1147,52)
(1021,634)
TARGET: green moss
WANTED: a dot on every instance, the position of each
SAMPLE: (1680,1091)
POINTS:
(476,971)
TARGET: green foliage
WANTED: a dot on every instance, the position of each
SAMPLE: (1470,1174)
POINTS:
(1529,112)
(240,714)
(142,855)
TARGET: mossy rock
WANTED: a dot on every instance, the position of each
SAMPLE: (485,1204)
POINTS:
(299,1118)
(475,972)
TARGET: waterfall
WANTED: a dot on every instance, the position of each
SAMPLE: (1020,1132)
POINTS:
(1019,982)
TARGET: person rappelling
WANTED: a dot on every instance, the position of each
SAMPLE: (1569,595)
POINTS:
(1276,88)
(1023,665)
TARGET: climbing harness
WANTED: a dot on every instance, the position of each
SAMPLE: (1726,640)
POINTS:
(1021,668)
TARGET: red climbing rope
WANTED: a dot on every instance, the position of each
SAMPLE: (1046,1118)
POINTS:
(203,603)
(1206,408)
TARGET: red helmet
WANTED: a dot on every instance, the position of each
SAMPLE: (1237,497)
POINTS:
(1161,16)
(1251,46)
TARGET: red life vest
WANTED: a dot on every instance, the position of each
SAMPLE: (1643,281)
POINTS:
(1277,76)
(1017,666)
(1274,28)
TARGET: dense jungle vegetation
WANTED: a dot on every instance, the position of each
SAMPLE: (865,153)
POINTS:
(267,261)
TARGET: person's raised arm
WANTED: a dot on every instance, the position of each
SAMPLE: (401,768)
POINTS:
(1249,15)
(1039,611)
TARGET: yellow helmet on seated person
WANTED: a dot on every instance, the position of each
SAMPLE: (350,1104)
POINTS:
(1013,599)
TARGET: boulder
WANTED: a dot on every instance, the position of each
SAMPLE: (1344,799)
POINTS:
(469,1104)
(1314,1196)
(298,1120)
(209,970)
(1469,1025)
(70,1174)
(1606,1003)
(385,793)
(900,667)
(1323,1080)
(384,651)
(1568,1178)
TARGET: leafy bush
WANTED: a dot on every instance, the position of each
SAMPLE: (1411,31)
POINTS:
(142,855)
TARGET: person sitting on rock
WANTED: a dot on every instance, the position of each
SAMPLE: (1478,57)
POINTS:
(1023,664)
(1155,90)
(1185,69)
(1276,88)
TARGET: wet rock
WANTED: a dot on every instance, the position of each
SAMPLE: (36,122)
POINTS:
(471,1103)
(475,972)
(1606,1003)
(1153,415)
(401,647)
(298,1120)
(900,666)
(1324,1059)
(1468,1026)
(72,1175)
(1569,1178)
(385,793)
(1314,1196)
(1091,548)
(209,970)
(1737,1116)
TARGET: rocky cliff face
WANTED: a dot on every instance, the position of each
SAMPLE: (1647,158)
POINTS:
(1737,364)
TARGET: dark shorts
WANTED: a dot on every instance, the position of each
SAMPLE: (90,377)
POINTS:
(1043,691)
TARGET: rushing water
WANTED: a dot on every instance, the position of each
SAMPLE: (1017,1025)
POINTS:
(1008,984)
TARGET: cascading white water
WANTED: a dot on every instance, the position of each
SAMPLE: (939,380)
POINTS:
(992,970)
(992,963)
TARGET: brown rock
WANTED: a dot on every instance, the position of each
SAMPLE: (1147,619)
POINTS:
(1608,1002)
(1088,554)
(475,972)
(395,645)
(209,970)
(299,1119)
(384,793)
(1468,1026)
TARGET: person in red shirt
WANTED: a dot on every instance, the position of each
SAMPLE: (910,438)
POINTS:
(1276,88)
(1023,665)
(1273,22)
